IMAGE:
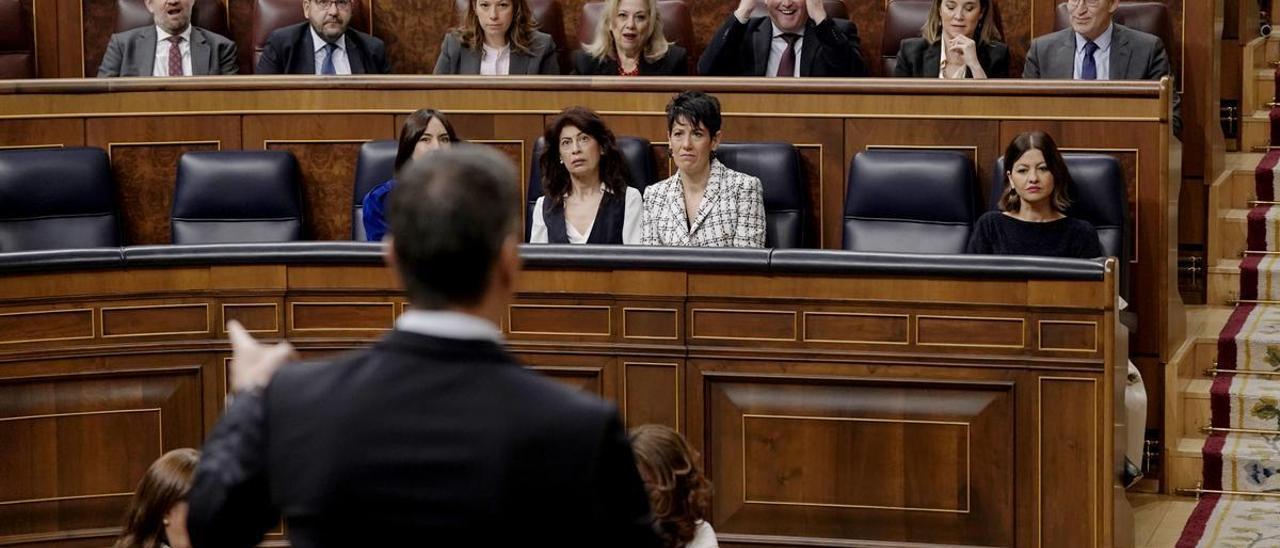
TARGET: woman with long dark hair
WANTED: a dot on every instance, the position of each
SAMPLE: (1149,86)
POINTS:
(679,492)
(157,515)
(585,193)
(497,37)
(424,131)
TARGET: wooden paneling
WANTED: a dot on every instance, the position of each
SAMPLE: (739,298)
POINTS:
(845,327)
(651,392)
(41,134)
(138,320)
(341,316)
(574,320)
(413,31)
(101,16)
(1072,456)
(46,325)
(971,331)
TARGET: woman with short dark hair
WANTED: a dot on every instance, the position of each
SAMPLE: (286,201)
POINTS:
(679,491)
(424,131)
(958,40)
(629,42)
(1033,220)
(157,515)
(585,195)
(497,37)
(705,204)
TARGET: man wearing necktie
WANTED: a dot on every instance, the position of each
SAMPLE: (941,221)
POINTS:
(796,38)
(324,44)
(170,47)
(1095,48)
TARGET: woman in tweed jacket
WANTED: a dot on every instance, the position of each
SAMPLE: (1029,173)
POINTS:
(705,204)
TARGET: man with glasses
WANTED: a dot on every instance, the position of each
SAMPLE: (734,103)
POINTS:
(323,44)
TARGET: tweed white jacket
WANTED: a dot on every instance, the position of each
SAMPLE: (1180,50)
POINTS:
(731,213)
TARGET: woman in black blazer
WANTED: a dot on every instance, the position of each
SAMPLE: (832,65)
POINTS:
(629,42)
(959,40)
(497,37)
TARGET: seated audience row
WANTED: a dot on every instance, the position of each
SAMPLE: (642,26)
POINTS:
(797,38)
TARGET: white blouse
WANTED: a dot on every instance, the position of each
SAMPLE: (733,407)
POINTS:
(704,537)
(632,229)
(496,61)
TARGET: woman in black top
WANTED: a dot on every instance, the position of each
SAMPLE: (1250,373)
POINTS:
(1033,221)
(958,40)
(629,42)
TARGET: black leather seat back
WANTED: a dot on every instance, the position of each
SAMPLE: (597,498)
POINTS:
(376,164)
(778,167)
(57,199)
(1099,195)
(635,150)
(237,197)
(909,201)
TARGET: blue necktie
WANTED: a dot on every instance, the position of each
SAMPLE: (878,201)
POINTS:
(1089,67)
(327,67)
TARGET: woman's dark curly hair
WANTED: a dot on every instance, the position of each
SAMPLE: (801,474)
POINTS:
(679,492)
(555,177)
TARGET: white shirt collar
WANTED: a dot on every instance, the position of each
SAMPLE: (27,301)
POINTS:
(319,42)
(163,35)
(777,32)
(1103,40)
(496,52)
(448,324)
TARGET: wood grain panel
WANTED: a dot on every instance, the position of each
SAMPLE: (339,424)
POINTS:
(413,31)
(240,18)
(651,323)
(1068,455)
(41,133)
(651,393)
(586,379)
(555,319)
(152,320)
(859,459)
(341,316)
(255,317)
(328,173)
(46,325)
(742,325)
(970,331)
(1071,336)
(843,327)
(101,15)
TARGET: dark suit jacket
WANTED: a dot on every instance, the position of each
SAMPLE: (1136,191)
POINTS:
(133,53)
(541,59)
(920,59)
(674,63)
(1135,55)
(831,49)
(440,441)
(289,50)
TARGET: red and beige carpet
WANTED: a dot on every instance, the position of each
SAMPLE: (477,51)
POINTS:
(1242,455)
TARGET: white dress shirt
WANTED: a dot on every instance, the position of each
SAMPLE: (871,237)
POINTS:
(779,45)
(161,68)
(1102,57)
(448,324)
(496,61)
(341,63)
(632,222)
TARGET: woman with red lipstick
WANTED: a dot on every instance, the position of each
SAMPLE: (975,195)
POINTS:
(497,37)
(1033,221)
(585,196)
(629,42)
(959,40)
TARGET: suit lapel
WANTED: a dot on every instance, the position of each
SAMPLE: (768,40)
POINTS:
(519,63)
(200,53)
(305,57)
(676,211)
(809,49)
(470,60)
(1120,53)
(931,65)
(705,208)
(1063,54)
(145,62)
(355,54)
(760,46)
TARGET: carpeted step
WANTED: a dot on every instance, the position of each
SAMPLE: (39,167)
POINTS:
(1246,401)
(1262,228)
(1264,176)
(1248,463)
(1250,341)
(1227,521)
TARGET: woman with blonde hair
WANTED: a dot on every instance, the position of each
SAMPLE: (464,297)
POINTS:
(497,37)
(157,515)
(679,492)
(629,42)
(959,39)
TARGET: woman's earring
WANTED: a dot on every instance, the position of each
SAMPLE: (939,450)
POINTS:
(166,522)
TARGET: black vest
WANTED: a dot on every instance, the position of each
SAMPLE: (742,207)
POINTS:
(606,230)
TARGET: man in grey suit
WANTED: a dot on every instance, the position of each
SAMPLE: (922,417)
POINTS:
(1095,48)
(171,47)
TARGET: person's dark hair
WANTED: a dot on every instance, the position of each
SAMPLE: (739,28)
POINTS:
(165,484)
(413,129)
(449,215)
(555,176)
(679,492)
(1041,141)
(694,107)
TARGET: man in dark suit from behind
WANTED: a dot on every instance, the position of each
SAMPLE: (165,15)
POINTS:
(796,39)
(170,47)
(434,435)
(323,44)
